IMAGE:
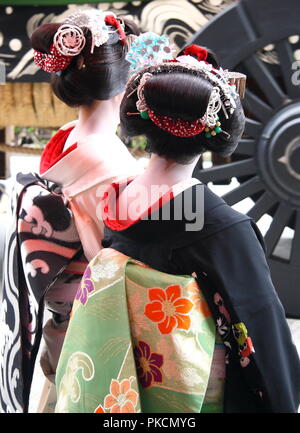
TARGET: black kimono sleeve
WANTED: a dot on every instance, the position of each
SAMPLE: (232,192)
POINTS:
(235,262)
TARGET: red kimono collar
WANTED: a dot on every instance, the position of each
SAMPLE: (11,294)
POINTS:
(109,203)
(53,151)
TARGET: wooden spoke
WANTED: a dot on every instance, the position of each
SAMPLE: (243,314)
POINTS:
(258,107)
(262,206)
(280,221)
(227,171)
(295,252)
(265,80)
(253,128)
(246,147)
(246,189)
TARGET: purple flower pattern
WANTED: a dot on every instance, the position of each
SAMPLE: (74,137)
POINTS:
(85,287)
(148,364)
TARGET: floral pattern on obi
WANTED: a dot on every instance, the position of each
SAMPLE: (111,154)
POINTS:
(122,398)
(85,287)
(169,309)
(148,364)
(107,271)
(150,336)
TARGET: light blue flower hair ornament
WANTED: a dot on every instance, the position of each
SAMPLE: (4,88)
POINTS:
(149,49)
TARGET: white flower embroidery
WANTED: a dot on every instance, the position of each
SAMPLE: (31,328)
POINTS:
(186,347)
(106,270)
(191,377)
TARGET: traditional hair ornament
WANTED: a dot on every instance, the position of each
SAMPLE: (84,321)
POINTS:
(237,80)
(96,21)
(141,104)
(148,49)
(130,39)
(175,126)
(195,50)
(54,62)
(69,40)
(214,130)
(226,85)
(214,106)
(178,127)
(113,21)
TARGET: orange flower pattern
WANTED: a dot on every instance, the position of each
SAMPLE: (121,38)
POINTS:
(99,409)
(122,398)
(168,309)
(198,299)
(157,355)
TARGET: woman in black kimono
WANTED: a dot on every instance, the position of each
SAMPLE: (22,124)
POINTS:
(184,108)
(134,343)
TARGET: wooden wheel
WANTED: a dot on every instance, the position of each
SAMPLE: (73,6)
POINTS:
(266,163)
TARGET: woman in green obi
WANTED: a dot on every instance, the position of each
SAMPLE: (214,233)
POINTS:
(178,312)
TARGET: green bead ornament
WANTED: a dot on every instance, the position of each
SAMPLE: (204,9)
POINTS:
(212,132)
(145,115)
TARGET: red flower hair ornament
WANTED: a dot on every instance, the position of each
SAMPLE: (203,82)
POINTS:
(194,50)
(113,21)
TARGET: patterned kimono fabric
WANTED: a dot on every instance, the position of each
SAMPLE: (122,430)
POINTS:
(139,340)
(59,301)
(39,247)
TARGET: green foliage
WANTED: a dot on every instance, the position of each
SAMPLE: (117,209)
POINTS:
(33,137)
(138,142)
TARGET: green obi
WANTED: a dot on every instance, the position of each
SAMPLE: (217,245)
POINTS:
(139,340)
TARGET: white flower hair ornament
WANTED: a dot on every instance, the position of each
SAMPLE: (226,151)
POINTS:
(94,20)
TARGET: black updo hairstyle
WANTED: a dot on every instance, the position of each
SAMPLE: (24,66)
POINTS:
(105,71)
(181,93)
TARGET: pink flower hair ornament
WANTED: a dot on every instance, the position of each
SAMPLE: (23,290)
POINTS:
(68,42)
